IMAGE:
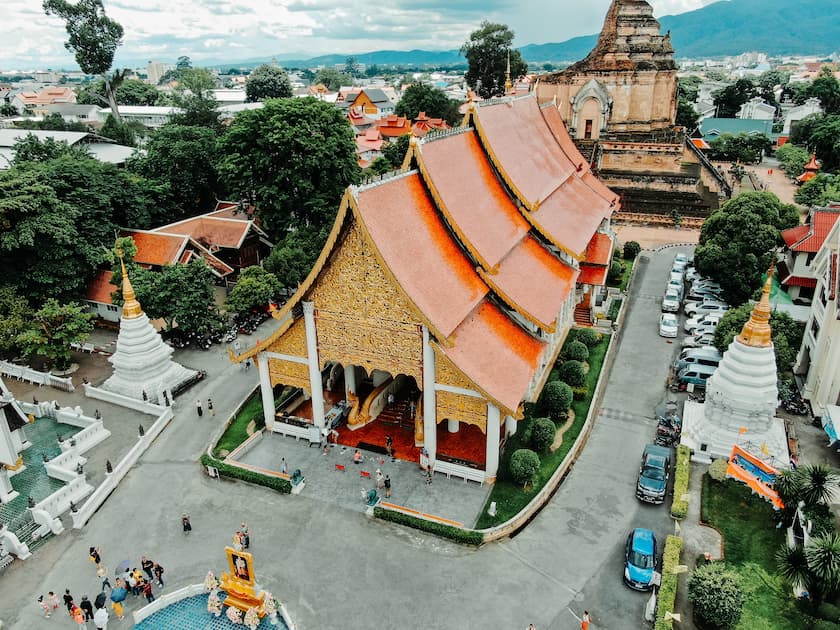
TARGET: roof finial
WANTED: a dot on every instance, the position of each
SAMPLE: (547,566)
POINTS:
(131,307)
(757,331)
(508,84)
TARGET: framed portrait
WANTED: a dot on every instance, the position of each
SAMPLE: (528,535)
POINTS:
(241,565)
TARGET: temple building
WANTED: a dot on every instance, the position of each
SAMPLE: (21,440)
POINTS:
(741,398)
(143,365)
(620,104)
(444,293)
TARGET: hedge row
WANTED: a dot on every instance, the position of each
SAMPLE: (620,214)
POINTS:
(679,507)
(668,588)
(282,486)
(464,536)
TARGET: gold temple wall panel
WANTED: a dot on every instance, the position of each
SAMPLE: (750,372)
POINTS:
(467,409)
(292,343)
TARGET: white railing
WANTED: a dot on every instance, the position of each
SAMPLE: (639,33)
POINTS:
(82,516)
(290,429)
(246,446)
(59,501)
(464,472)
(87,438)
(123,401)
(64,466)
(23,373)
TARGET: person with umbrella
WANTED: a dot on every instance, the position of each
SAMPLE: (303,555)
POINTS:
(118,594)
(100,619)
(100,600)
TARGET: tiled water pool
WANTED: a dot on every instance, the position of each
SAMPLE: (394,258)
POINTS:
(191,614)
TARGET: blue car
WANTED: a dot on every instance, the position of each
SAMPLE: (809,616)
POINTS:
(640,559)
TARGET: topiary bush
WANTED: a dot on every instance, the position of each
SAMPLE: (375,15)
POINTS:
(571,372)
(616,269)
(576,351)
(556,399)
(717,596)
(464,536)
(542,434)
(586,336)
(580,393)
(234,472)
(717,470)
(524,466)
(631,250)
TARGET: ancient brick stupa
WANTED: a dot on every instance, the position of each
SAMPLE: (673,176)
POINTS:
(143,365)
(741,398)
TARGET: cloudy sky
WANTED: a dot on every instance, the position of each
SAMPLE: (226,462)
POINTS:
(241,29)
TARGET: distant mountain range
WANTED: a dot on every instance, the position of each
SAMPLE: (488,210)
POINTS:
(730,27)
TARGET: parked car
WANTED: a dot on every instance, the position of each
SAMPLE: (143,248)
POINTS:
(653,474)
(706,306)
(640,559)
(669,324)
(701,318)
(691,274)
(683,259)
(700,293)
(671,301)
(698,341)
(676,285)
(704,355)
(696,374)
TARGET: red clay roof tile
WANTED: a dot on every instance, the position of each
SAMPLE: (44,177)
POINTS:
(100,288)
(599,250)
(211,231)
(593,274)
(154,248)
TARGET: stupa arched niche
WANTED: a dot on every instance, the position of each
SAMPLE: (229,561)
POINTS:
(591,108)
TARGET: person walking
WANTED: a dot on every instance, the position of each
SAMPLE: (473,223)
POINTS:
(102,572)
(387,486)
(44,605)
(147,565)
(185,523)
(95,556)
(118,609)
(78,616)
(198,408)
(585,620)
(389,446)
(52,598)
(245,536)
(247,364)
(158,570)
(380,480)
(87,608)
(147,591)
(283,468)
(210,407)
(68,600)
(100,619)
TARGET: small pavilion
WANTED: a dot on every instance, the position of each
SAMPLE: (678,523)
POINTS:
(809,171)
(741,398)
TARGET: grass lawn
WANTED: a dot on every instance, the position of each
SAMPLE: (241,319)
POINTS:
(237,432)
(511,498)
(750,541)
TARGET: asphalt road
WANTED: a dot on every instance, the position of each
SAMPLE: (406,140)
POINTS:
(336,569)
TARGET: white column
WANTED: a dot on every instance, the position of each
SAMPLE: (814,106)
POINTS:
(510,425)
(349,380)
(452,425)
(492,446)
(266,390)
(315,384)
(7,492)
(429,404)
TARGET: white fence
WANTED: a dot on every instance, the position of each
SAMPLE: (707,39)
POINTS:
(123,401)
(59,501)
(23,373)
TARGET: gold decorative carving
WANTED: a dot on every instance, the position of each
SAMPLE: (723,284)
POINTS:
(467,409)
(292,343)
(447,374)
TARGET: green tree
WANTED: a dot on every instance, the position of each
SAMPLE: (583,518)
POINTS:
(487,51)
(571,372)
(15,316)
(819,191)
(792,159)
(52,122)
(820,134)
(744,147)
(826,87)
(52,329)
(194,98)
(543,431)
(129,92)
(717,595)
(419,97)
(351,67)
(31,149)
(267,81)
(183,63)
(93,39)
(631,250)
(820,484)
(379,166)
(122,132)
(395,152)
(687,116)
(524,466)
(183,160)
(289,261)
(557,398)
(7,109)
(823,555)
(729,100)
(331,78)
(737,241)
(792,565)
(786,336)
(294,158)
(255,288)
(576,351)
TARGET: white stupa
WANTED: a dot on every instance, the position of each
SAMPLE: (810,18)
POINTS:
(142,362)
(741,398)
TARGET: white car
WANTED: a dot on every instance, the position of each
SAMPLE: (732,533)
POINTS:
(668,325)
(671,301)
(700,319)
(697,341)
(682,258)
(706,306)
(675,285)
(692,275)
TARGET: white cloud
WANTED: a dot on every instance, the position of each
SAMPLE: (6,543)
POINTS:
(203,29)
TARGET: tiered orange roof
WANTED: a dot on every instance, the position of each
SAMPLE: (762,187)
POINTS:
(810,237)
(809,170)
(423,124)
(100,288)
(393,126)
(211,231)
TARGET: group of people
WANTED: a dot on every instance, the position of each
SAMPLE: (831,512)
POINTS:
(199,409)
(242,538)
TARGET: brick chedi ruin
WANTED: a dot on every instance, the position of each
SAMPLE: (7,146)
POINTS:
(620,103)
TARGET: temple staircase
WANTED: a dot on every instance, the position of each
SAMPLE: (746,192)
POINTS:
(583,313)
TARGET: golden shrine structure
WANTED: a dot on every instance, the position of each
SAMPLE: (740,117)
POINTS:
(239,584)
(442,297)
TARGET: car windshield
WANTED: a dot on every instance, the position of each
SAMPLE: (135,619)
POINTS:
(641,560)
(654,473)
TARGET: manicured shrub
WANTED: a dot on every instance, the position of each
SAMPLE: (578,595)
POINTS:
(542,434)
(556,399)
(716,594)
(668,587)
(464,536)
(679,508)
(631,250)
(282,486)
(717,470)
(580,393)
(571,372)
(829,612)
(576,351)
(524,466)
(586,336)
(616,269)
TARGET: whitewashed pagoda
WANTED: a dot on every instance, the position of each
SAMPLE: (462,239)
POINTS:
(741,398)
(143,365)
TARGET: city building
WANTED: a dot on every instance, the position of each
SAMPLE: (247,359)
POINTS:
(444,293)
(99,147)
(796,271)
(757,109)
(28,100)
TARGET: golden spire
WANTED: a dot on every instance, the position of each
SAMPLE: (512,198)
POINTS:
(756,331)
(131,307)
(508,84)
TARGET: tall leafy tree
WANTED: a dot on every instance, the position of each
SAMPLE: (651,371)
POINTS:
(331,78)
(792,159)
(787,333)
(129,92)
(820,191)
(15,316)
(395,152)
(293,158)
(419,97)
(122,132)
(487,51)
(93,37)
(743,147)
(825,87)
(729,99)
(267,81)
(182,159)
(291,260)
(53,328)
(255,288)
(52,122)
(737,241)
(821,134)
(32,149)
